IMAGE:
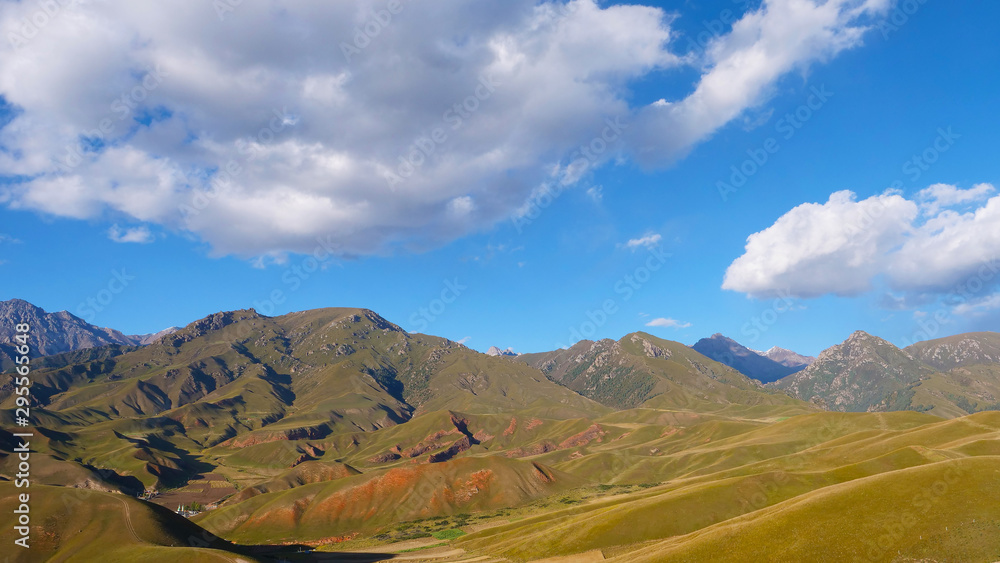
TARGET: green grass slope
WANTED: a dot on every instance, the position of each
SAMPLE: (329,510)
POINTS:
(749,472)
(82,525)
(945,511)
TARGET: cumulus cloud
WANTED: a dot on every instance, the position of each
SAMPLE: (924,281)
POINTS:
(648,241)
(933,198)
(279,124)
(921,248)
(140,235)
(667,323)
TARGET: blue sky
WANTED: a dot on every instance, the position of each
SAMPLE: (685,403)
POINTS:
(476,266)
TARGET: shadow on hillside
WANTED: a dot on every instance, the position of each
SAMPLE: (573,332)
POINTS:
(303,554)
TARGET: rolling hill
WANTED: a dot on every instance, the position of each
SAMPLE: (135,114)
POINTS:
(84,525)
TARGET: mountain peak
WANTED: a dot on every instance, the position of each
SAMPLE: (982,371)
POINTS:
(52,333)
(494,351)
(727,351)
(788,358)
(859,374)
(18,305)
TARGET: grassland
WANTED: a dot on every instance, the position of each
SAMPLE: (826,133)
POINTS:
(332,432)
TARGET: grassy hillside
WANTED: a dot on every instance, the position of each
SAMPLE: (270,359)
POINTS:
(787,495)
(82,525)
(379,498)
(915,514)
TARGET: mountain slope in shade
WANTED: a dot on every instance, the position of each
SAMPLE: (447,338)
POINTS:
(83,525)
(789,358)
(742,359)
(864,373)
(641,369)
(961,350)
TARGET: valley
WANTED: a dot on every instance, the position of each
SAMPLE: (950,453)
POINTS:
(335,435)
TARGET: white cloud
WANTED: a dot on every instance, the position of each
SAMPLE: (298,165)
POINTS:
(7,239)
(933,198)
(979,306)
(262,127)
(596,193)
(667,323)
(648,241)
(742,67)
(140,235)
(464,340)
(842,246)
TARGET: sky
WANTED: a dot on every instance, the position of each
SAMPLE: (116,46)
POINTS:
(519,174)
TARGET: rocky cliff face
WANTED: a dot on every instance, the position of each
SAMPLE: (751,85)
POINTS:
(494,351)
(864,373)
(974,348)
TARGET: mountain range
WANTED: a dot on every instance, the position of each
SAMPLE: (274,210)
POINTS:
(788,358)
(749,362)
(55,333)
(337,430)
(495,351)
